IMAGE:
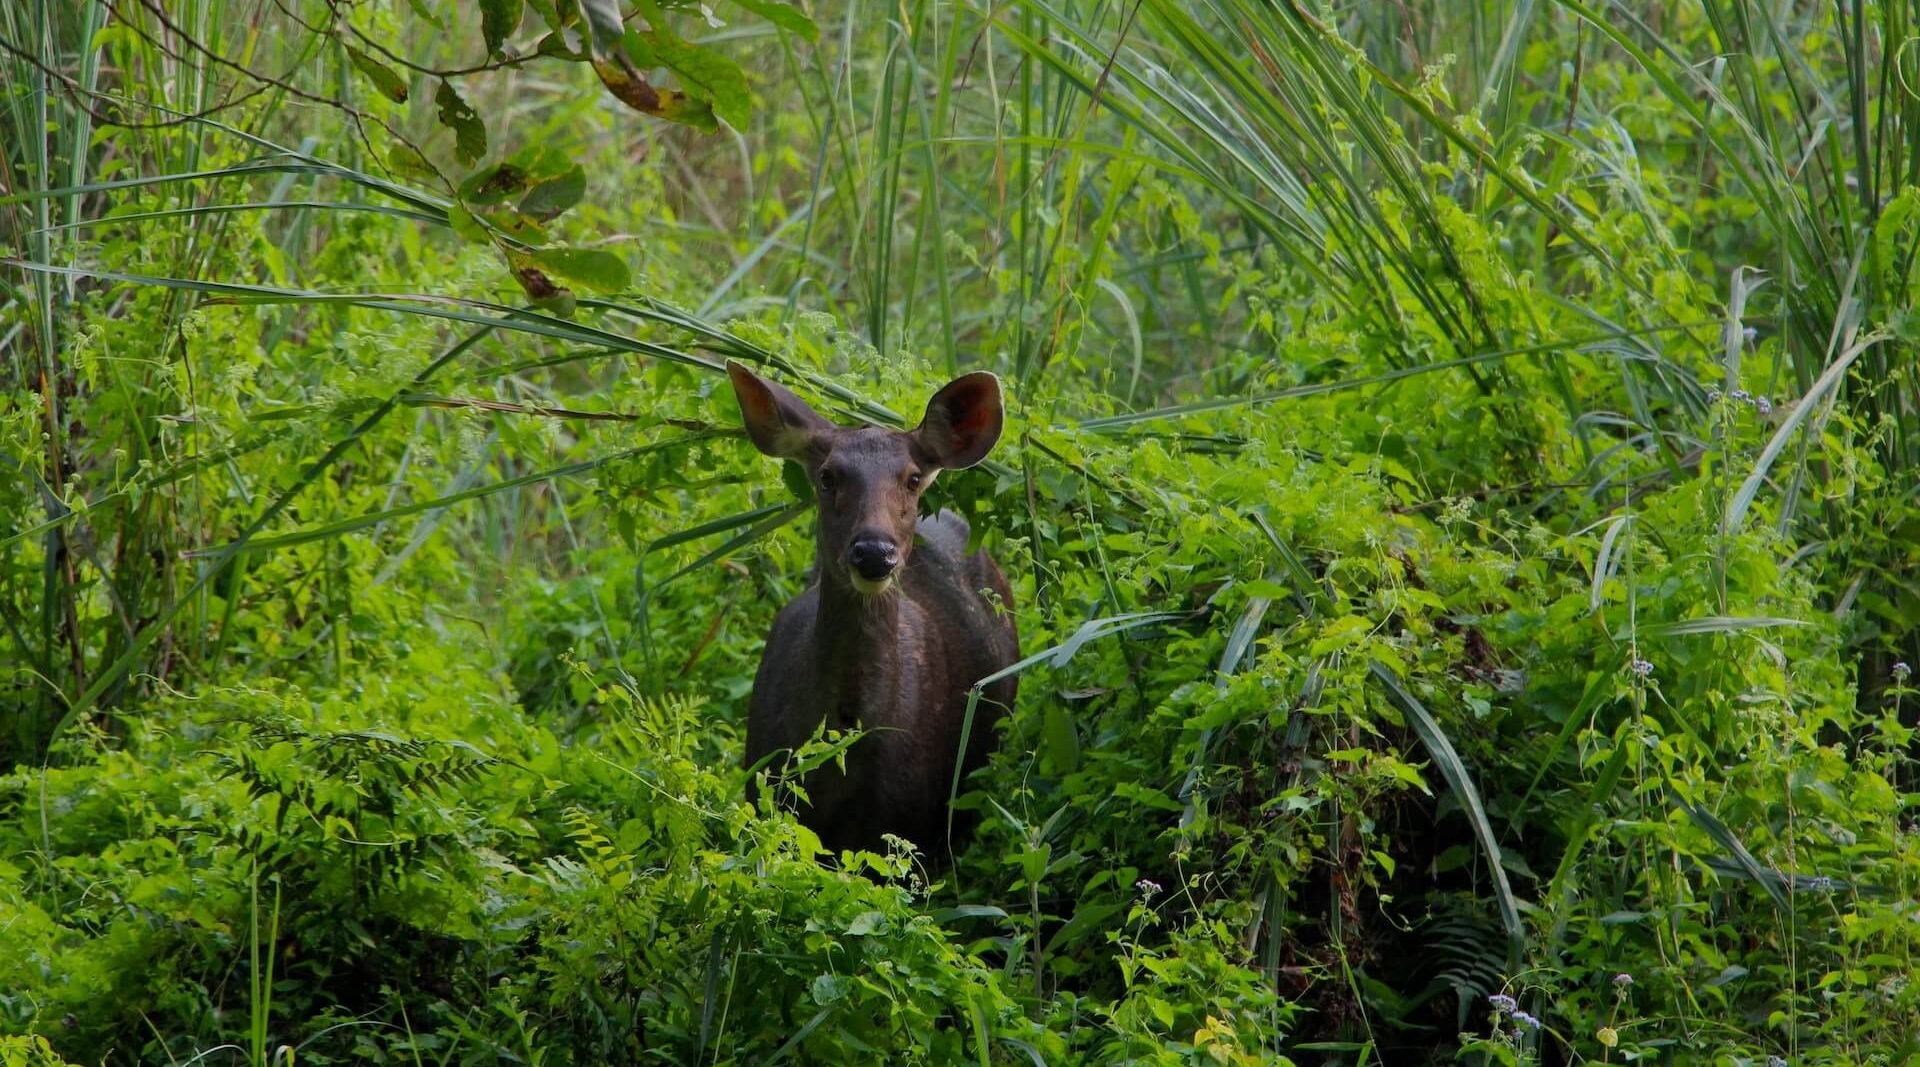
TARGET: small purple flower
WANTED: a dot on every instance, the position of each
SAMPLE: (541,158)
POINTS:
(1776,1061)
(1821,884)
(1623,979)
(1526,1020)
(1503,1003)
(1519,1035)
(1148,888)
(1901,671)
(1763,406)
(1742,395)
(1641,668)
(1714,395)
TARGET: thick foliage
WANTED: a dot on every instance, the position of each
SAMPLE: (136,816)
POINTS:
(1458,497)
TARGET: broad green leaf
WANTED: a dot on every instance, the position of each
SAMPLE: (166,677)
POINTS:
(498,20)
(785,16)
(591,267)
(469,133)
(708,74)
(606,25)
(468,227)
(405,159)
(550,198)
(391,85)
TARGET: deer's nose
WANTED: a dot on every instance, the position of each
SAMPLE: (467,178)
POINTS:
(873,558)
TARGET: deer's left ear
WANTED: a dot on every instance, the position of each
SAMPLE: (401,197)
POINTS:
(963,421)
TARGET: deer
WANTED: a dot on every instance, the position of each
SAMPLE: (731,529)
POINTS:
(897,624)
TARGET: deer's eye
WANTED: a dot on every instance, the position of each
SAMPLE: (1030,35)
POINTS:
(913,480)
(828,479)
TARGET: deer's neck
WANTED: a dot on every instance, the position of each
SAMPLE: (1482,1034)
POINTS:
(858,640)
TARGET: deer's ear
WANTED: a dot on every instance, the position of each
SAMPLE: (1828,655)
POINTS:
(962,422)
(780,424)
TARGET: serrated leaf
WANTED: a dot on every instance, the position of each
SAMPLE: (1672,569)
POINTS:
(391,85)
(828,988)
(785,16)
(550,198)
(797,482)
(591,267)
(469,133)
(498,20)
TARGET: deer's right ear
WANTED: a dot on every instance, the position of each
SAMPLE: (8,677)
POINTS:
(780,424)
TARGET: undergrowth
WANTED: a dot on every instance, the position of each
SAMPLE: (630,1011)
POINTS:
(1458,501)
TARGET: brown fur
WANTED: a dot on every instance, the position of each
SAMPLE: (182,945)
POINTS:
(897,663)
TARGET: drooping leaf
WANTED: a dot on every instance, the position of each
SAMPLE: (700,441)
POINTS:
(469,133)
(391,85)
(551,197)
(498,20)
(785,16)
(591,267)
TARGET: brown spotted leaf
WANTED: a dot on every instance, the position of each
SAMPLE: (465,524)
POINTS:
(493,185)
(631,88)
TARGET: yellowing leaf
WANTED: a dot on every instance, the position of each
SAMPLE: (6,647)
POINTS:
(391,85)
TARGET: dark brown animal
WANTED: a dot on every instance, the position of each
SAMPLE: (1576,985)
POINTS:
(895,628)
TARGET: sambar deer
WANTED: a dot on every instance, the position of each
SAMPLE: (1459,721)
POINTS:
(895,627)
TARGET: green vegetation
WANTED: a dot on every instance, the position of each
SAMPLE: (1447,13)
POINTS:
(1459,496)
